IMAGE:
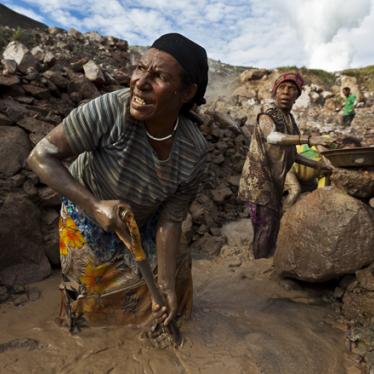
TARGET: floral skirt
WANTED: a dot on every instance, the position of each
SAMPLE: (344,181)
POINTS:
(101,283)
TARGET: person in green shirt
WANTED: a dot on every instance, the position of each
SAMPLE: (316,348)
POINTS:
(348,107)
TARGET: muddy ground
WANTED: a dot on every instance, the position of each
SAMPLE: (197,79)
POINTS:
(245,320)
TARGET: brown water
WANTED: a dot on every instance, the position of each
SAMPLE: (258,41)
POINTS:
(243,322)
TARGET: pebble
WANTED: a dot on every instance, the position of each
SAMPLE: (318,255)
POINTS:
(20,300)
(33,294)
(18,289)
(235,263)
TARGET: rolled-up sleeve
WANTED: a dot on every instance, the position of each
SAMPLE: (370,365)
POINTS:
(85,125)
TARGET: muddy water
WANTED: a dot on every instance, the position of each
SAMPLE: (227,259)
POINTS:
(243,322)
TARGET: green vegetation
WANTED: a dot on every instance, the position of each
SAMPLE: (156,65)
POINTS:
(364,76)
(18,35)
(321,77)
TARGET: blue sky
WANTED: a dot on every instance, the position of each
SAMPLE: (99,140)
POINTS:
(325,34)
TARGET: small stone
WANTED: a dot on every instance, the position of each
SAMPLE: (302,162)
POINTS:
(221,193)
(338,293)
(235,263)
(371,202)
(33,294)
(360,348)
(18,289)
(289,284)
(20,300)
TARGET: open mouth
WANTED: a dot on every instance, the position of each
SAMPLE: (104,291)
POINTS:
(138,100)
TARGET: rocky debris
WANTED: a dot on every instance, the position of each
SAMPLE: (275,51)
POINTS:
(357,183)
(22,256)
(314,109)
(21,55)
(238,233)
(358,296)
(18,294)
(318,236)
(217,203)
(44,77)
(357,305)
(26,343)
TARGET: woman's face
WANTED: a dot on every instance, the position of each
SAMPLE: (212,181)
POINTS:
(286,95)
(156,87)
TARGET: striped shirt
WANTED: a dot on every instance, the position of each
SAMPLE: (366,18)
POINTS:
(116,160)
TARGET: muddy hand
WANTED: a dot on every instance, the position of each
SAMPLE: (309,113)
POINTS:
(324,140)
(324,169)
(106,214)
(171,303)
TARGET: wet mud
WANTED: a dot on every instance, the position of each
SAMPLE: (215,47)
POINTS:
(245,320)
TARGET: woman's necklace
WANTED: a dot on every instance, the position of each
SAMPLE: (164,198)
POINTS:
(165,137)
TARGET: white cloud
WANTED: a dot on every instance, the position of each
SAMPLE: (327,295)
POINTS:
(329,34)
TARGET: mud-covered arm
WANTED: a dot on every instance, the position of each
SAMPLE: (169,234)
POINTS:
(167,244)
(307,161)
(46,160)
(169,233)
(278,138)
(292,186)
(322,167)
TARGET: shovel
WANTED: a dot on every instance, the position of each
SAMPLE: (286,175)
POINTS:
(137,251)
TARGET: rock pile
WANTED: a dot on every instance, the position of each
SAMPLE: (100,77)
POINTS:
(40,83)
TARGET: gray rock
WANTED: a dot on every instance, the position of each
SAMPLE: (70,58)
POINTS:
(365,278)
(32,124)
(36,91)
(221,193)
(49,197)
(10,66)
(238,233)
(10,80)
(5,120)
(18,289)
(20,300)
(209,244)
(357,183)
(15,51)
(33,294)
(325,235)
(93,72)
(14,149)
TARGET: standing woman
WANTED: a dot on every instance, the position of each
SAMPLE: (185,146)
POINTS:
(134,148)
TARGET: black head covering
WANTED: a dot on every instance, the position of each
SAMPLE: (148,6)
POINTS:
(191,56)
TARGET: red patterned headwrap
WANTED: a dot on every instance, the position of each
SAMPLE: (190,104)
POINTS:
(290,76)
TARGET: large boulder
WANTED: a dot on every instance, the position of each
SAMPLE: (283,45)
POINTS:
(14,149)
(325,235)
(22,255)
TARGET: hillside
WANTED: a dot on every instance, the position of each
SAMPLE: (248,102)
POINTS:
(10,18)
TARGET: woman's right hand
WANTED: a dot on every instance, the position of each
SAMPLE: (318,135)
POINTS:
(324,140)
(106,214)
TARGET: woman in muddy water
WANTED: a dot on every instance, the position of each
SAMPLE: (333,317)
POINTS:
(137,149)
